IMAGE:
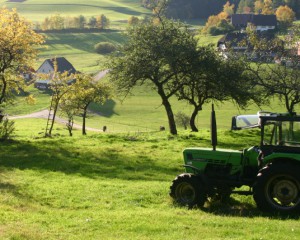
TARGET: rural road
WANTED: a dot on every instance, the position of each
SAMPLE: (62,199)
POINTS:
(44,114)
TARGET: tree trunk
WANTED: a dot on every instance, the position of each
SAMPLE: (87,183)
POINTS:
(83,121)
(192,120)
(53,118)
(171,119)
(3,90)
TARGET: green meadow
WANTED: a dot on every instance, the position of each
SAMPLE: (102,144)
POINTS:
(115,185)
(116,10)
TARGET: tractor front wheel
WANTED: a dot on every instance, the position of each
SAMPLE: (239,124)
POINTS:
(188,190)
(277,188)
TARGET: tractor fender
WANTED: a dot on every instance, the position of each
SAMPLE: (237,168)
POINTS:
(281,157)
(292,161)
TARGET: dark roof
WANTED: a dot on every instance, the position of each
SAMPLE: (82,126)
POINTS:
(240,19)
(63,65)
(264,20)
(257,19)
(233,38)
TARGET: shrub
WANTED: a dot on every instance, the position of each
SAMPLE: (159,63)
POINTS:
(6,129)
(182,119)
(105,47)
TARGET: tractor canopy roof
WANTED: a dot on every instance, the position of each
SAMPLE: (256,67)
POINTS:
(257,120)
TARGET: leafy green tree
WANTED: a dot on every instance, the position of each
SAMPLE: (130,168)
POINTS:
(156,55)
(92,22)
(81,21)
(105,47)
(84,92)
(282,79)
(214,79)
(59,85)
(7,127)
(182,119)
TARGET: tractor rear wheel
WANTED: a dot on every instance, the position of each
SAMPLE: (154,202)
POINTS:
(277,188)
(188,190)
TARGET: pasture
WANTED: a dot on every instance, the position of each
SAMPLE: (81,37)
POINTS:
(115,186)
(117,11)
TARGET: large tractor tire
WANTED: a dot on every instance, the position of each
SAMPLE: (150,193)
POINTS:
(188,190)
(277,188)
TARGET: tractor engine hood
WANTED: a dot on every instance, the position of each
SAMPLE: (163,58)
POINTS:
(207,155)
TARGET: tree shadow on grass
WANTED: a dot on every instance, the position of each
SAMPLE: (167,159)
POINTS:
(235,208)
(57,157)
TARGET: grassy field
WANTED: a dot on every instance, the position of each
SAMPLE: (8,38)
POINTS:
(142,112)
(78,48)
(106,186)
(117,11)
(115,185)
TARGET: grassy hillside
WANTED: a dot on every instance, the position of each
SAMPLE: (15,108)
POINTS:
(142,112)
(107,186)
(116,10)
(78,48)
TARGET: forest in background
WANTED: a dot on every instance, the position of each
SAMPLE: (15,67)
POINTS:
(191,9)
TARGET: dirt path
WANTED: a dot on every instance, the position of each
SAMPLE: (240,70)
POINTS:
(44,114)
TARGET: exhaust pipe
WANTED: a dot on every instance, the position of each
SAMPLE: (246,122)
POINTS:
(213,128)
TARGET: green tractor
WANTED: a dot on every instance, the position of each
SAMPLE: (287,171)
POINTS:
(271,170)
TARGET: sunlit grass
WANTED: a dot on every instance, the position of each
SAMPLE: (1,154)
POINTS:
(115,186)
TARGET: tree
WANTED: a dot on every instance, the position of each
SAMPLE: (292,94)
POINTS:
(81,21)
(228,8)
(218,24)
(59,85)
(85,91)
(92,22)
(182,119)
(268,7)
(258,6)
(70,108)
(56,22)
(283,79)
(245,6)
(104,47)
(46,24)
(157,55)
(132,20)
(102,22)
(285,16)
(18,44)
(214,79)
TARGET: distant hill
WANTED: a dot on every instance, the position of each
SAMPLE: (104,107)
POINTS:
(116,10)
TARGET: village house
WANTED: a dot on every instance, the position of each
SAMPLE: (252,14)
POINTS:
(237,41)
(259,21)
(48,67)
